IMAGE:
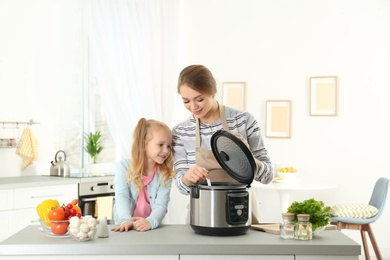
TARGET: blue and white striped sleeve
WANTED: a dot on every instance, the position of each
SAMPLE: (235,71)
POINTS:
(256,143)
(181,161)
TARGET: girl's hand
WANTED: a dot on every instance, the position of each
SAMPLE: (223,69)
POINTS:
(123,227)
(141,224)
(195,174)
(241,138)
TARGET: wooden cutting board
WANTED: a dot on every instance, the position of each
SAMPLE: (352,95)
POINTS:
(272,228)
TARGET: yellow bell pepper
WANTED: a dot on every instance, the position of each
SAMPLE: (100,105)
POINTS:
(45,207)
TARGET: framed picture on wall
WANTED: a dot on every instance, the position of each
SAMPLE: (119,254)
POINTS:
(234,95)
(278,118)
(324,96)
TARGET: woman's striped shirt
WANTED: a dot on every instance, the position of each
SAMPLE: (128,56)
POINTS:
(184,136)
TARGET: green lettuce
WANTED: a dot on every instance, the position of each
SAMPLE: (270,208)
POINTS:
(319,213)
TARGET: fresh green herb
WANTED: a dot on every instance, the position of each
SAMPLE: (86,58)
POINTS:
(319,214)
(93,144)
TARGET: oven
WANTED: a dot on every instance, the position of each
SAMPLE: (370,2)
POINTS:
(97,197)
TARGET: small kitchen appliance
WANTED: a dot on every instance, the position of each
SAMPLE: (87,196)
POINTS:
(60,167)
(224,209)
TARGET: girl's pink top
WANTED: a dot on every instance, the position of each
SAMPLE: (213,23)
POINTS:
(142,206)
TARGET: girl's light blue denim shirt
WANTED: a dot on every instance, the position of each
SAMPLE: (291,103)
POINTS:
(126,195)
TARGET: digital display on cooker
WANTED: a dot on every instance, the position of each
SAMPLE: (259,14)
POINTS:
(237,207)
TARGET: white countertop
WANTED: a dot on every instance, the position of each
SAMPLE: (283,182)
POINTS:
(178,239)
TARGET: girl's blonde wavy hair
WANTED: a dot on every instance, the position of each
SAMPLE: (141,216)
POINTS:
(142,134)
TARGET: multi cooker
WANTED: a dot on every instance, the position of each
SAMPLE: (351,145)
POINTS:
(224,209)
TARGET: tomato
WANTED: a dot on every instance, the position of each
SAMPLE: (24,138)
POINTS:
(72,212)
(59,228)
(57,214)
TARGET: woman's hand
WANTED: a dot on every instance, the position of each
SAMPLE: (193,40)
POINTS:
(195,174)
(123,227)
(141,224)
(258,163)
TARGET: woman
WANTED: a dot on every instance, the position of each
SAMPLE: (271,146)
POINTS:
(193,159)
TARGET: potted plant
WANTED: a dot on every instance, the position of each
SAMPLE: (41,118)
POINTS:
(319,213)
(93,145)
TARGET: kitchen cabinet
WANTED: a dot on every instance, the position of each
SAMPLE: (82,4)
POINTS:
(237,257)
(32,196)
(6,206)
(6,199)
(265,257)
(5,226)
(18,205)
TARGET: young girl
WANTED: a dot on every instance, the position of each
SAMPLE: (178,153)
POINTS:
(142,185)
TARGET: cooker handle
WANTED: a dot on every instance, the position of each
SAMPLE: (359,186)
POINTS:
(195,191)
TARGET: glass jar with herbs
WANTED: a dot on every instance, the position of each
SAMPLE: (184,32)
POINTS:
(303,227)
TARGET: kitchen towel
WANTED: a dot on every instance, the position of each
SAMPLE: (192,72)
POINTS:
(103,207)
(28,148)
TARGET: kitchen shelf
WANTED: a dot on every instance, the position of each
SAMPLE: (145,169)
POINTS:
(8,147)
(6,143)
(17,123)
(9,143)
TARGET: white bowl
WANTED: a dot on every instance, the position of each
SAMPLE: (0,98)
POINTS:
(83,229)
(287,175)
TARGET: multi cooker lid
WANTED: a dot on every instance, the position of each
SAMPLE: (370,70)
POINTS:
(233,156)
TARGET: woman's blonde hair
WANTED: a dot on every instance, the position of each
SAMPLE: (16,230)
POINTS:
(142,134)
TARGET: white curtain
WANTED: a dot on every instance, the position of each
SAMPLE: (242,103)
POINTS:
(133,60)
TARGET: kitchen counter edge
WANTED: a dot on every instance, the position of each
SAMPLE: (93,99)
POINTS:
(178,240)
(46,180)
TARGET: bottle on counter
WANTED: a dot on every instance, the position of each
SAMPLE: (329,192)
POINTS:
(303,228)
(287,226)
(103,227)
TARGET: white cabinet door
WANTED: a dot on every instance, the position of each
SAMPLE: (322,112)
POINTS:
(326,257)
(96,257)
(6,214)
(6,224)
(32,196)
(6,199)
(236,257)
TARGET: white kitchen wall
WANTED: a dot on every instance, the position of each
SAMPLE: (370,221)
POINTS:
(274,46)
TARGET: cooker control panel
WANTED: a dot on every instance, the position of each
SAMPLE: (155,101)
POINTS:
(237,208)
